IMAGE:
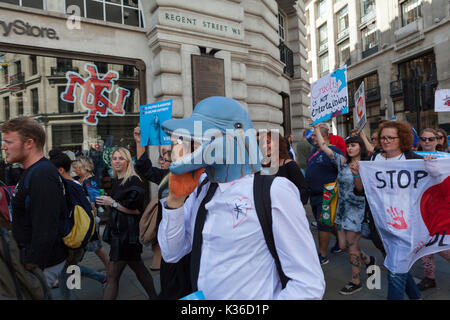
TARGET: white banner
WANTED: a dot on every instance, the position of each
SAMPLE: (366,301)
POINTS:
(410,203)
(442,100)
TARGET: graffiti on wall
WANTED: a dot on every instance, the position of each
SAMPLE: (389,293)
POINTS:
(94,93)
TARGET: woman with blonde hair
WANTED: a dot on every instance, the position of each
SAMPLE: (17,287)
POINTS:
(83,168)
(122,232)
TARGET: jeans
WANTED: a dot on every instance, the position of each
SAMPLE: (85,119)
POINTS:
(399,283)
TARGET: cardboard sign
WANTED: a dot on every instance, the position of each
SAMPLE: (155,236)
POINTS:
(329,96)
(442,100)
(151,118)
(360,108)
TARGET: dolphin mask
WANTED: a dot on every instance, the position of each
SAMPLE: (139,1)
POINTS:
(222,128)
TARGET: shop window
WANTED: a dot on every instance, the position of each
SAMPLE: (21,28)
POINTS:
(66,136)
(411,11)
(63,106)
(68,113)
(35,100)
(37,4)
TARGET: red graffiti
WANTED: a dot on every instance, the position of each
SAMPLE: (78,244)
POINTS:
(399,220)
(93,93)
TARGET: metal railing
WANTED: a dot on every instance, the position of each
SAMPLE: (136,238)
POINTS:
(369,52)
(287,57)
(343,34)
(17,78)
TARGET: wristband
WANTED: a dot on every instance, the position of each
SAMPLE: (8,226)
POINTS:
(356,176)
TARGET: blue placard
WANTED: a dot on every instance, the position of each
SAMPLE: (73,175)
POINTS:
(198,295)
(151,117)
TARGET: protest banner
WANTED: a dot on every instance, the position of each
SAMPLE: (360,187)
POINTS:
(434,154)
(151,117)
(410,204)
(360,108)
(329,96)
(442,100)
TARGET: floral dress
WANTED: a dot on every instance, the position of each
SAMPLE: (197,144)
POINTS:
(350,210)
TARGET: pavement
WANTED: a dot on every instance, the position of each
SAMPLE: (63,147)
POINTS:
(337,273)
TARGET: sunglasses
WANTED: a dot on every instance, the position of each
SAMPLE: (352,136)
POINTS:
(424,139)
(440,137)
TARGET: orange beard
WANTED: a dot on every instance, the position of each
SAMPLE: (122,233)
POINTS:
(182,185)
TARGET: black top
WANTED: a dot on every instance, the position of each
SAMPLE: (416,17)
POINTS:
(36,226)
(145,168)
(131,195)
(291,171)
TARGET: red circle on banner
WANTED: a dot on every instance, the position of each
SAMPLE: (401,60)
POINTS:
(435,208)
(359,107)
(327,195)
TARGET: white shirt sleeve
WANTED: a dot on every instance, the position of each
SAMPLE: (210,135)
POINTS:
(295,244)
(175,232)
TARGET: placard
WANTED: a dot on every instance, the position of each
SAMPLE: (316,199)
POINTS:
(442,100)
(329,96)
(360,107)
(151,117)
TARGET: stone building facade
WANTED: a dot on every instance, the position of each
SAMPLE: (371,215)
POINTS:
(160,51)
(399,48)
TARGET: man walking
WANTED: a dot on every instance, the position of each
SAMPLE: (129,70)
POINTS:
(319,172)
(38,202)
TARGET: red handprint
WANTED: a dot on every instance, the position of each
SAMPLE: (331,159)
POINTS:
(399,220)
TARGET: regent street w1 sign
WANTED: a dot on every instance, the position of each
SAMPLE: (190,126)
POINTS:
(20,27)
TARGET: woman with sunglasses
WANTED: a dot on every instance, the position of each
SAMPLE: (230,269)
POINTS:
(174,277)
(428,140)
(442,140)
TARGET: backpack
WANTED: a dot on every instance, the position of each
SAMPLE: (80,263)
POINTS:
(16,282)
(147,224)
(263,207)
(5,201)
(78,223)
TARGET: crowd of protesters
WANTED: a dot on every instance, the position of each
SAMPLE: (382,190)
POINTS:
(320,158)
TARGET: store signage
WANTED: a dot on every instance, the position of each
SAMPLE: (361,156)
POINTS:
(205,24)
(21,27)
(94,93)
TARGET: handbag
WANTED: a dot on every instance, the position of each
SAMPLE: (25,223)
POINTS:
(147,224)
(329,203)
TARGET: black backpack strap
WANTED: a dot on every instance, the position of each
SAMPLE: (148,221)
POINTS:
(263,206)
(198,237)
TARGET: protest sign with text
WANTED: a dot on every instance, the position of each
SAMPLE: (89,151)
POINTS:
(151,117)
(360,108)
(329,96)
(442,100)
(410,204)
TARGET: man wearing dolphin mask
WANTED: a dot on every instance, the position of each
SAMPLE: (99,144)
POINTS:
(234,259)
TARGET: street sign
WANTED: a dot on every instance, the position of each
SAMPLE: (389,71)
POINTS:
(360,108)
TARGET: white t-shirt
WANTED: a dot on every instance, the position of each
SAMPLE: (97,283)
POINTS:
(379,157)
